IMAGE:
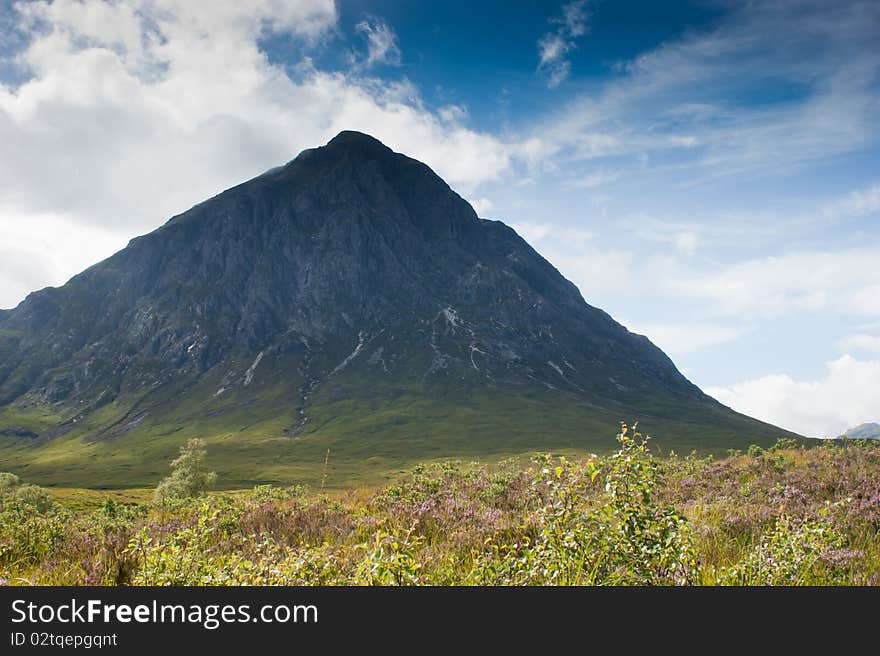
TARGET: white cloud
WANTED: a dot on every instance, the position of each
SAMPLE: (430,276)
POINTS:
(594,179)
(845,397)
(37,250)
(551,48)
(678,339)
(533,232)
(574,18)
(686,242)
(382,45)
(132,112)
(482,205)
(690,277)
(796,282)
(554,46)
(857,203)
(601,274)
(865,343)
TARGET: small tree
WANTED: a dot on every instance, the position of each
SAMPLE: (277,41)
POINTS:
(8,482)
(12,489)
(188,478)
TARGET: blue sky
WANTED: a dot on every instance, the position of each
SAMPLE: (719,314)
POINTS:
(707,172)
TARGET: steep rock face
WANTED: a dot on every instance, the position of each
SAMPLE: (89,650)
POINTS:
(352,272)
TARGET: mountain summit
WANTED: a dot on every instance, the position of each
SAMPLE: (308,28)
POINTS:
(349,300)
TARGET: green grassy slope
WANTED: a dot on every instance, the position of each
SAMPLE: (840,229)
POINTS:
(371,439)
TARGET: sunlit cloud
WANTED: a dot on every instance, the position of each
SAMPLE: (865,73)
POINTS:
(844,397)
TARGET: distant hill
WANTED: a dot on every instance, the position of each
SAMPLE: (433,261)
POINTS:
(349,302)
(869,431)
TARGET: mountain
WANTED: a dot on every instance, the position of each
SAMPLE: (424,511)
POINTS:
(870,431)
(348,303)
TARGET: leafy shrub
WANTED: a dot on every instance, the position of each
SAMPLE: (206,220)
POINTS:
(184,558)
(8,483)
(35,497)
(785,443)
(12,489)
(805,552)
(28,534)
(264,493)
(390,559)
(625,538)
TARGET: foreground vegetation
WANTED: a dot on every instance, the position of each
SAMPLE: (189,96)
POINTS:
(788,515)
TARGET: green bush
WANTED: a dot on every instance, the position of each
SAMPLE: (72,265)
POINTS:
(265,493)
(785,443)
(792,553)
(28,534)
(188,478)
(8,483)
(622,538)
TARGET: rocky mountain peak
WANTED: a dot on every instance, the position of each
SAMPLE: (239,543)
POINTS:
(358,143)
